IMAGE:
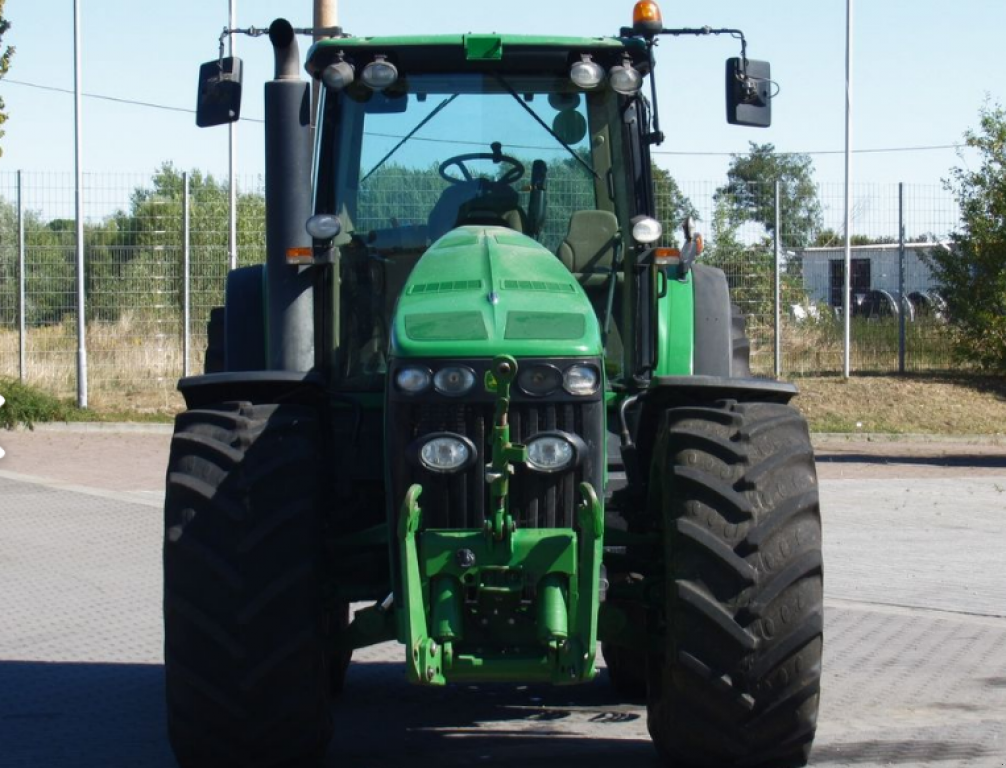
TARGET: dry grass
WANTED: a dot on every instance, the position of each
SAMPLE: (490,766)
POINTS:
(135,362)
(914,404)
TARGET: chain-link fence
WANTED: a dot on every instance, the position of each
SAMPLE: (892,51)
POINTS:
(782,250)
(790,285)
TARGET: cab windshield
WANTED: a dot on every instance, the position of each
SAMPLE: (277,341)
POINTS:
(435,152)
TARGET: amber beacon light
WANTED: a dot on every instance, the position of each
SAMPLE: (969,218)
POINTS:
(646,18)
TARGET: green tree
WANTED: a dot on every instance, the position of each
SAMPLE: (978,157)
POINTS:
(750,269)
(673,206)
(750,193)
(972,272)
(5,57)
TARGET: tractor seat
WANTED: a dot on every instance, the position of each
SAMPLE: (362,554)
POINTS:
(479,201)
(589,248)
(589,252)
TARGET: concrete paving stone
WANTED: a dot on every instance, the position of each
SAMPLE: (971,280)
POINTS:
(914,675)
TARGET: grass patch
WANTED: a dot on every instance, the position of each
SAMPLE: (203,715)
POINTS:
(26,405)
(936,404)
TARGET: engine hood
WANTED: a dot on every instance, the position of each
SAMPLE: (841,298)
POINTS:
(481,291)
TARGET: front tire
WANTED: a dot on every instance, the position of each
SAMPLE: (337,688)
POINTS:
(246,659)
(738,681)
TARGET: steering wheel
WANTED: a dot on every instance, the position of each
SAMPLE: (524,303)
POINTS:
(512,174)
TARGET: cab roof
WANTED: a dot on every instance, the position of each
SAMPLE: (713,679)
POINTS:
(478,52)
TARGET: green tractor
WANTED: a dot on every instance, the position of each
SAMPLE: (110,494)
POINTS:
(473,402)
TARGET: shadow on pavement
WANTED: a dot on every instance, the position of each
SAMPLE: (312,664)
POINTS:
(105,715)
(79,714)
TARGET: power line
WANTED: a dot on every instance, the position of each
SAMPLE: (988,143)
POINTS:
(165,107)
(114,99)
(820,151)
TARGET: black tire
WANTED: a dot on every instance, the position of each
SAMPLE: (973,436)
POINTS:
(245,652)
(340,658)
(721,347)
(626,671)
(738,682)
(244,319)
(213,360)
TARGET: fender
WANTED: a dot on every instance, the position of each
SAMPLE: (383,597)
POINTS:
(255,386)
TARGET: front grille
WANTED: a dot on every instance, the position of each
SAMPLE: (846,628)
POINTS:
(459,501)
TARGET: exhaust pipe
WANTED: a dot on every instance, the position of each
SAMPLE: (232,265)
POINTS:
(289,291)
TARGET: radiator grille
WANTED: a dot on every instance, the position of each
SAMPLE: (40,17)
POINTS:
(459,501)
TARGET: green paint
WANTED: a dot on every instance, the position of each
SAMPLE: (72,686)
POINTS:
(544,325)
(504,453)
(434,323)
(555,642)
(676,328)
(446,326)
(483,47)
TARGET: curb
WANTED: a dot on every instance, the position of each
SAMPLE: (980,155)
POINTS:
(830,438)
(817,438)
(99,426)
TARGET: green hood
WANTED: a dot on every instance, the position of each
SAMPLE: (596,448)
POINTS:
(484,291)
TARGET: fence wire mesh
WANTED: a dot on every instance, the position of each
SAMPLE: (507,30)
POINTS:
(135,250)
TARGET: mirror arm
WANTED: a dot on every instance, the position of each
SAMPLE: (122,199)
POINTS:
(656,136)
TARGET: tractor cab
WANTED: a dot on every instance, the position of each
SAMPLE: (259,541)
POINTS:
(418,138)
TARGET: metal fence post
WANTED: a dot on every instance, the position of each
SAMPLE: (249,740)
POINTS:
(22,360)
(777,280)
(902,301)
(186,277)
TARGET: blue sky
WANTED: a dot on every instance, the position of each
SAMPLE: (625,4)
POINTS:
(923,68)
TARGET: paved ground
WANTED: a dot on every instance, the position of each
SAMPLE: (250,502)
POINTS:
(915,660)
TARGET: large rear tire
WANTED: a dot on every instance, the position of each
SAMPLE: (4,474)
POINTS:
(246,658)
(738,681)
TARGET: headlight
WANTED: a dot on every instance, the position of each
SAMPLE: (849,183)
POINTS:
(539,380)
(453,381)
(625,79)
(550,453)
(646,230)
(379,74)
(323,226)
(586,73)
(337,76)
(446,453)
(412,380)
(581,380)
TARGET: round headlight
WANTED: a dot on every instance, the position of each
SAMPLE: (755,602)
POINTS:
(455,380)
(337,76)
(323,226)
(412,380)
(580,380)
(586,74)
(646,230)
(445,454)
(625,79)
(379,74)
(550,453)
(539,380)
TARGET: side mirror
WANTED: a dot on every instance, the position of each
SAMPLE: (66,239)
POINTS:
(749,93)
(219,99)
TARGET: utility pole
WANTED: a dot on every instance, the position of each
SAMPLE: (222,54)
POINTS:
(847,286)
(232,229)
(79,216)
(326,15)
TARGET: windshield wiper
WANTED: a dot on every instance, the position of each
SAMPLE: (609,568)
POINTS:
(544,125)
(409,135)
